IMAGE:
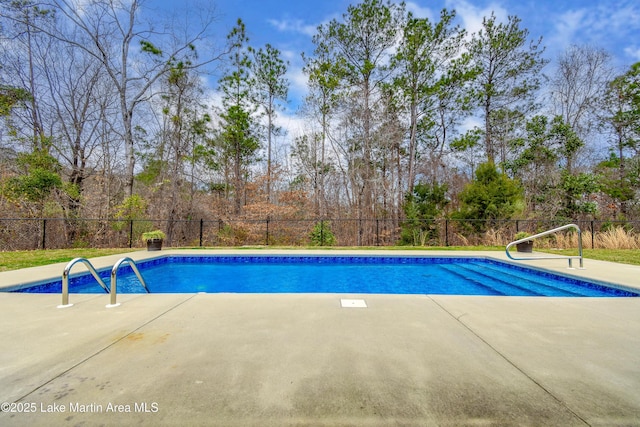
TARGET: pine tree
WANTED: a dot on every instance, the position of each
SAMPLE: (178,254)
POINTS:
(238,136)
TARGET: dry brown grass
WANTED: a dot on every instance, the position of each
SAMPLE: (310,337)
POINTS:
(567,240)
(613,238)
(617,238)
(496,238)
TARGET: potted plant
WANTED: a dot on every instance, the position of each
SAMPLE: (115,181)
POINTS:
(154,239)
(526,246)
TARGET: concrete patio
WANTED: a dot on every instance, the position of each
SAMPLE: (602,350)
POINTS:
(301,359)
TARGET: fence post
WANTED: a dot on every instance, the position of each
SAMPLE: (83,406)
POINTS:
(44,233)
(592,237)
(267,242)
(322,232)
(446,232)
(201,228)
(130,233)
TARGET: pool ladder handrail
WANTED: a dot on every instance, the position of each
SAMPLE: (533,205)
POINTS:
(114,279)
(65,279)
(545,233)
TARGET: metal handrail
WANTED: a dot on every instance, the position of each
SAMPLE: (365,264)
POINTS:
(65,279)
(544,233)
(114,279)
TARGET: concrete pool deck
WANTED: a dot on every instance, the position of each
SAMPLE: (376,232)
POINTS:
(301,359)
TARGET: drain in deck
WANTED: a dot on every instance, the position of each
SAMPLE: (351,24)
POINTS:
(353,303)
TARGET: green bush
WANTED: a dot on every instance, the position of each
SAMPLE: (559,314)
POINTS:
(491,196)
(422,208)
(321,235)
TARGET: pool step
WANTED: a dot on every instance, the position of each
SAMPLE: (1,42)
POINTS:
(497,286)
(485,289)
(558,288)
(527,284)
(503,287)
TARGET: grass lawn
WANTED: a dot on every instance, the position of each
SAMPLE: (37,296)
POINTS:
(624,256)
(23,259)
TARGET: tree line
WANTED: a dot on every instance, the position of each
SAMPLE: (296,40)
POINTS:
(107,114)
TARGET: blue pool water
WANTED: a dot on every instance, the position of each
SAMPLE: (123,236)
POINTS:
(337,274)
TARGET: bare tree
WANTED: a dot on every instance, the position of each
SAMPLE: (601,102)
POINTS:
(185,126)
(578,85)
(24,56)
(133,53)
(77,88)
(577,88)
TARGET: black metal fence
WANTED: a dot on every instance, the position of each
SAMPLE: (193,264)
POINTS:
(57,233)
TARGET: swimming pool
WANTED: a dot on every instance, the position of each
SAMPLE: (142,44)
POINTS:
(337,274)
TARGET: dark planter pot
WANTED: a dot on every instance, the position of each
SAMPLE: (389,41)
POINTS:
(154,244)
(525,246)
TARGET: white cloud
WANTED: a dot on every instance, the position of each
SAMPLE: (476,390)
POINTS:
(633,52)
(472,16)
(611,28)
(622,20)
(298,81)
(290,55)
(294,125)
(470,123)
(293,26)
(419,11)
(566,27)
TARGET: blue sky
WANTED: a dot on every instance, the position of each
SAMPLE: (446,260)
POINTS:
(613,25)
